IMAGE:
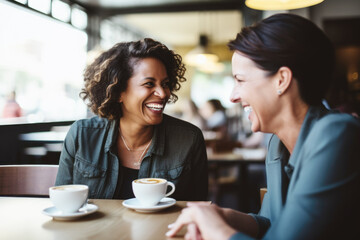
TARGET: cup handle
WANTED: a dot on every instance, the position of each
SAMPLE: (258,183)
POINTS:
(172,190)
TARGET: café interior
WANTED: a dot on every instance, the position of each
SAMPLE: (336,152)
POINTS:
(45,46)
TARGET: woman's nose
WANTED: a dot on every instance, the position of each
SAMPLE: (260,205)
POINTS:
(235,96)
(160,92)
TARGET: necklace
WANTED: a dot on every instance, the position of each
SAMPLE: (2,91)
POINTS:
(131,150)
(140,159)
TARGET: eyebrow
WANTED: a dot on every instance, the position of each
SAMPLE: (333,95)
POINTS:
(153,79)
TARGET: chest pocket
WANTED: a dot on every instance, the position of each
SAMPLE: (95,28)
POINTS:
(88,174)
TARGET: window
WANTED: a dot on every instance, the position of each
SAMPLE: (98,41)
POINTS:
(42,60)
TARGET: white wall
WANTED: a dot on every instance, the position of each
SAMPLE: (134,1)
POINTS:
(334,9)
(325,10)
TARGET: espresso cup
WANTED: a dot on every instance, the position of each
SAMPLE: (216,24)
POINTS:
(149,191)
(68,198)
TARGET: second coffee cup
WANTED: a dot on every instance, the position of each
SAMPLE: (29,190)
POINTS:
(149,191)
(69,198)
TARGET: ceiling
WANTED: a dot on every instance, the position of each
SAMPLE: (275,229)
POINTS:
(183,29)
(174,22)
(113,7)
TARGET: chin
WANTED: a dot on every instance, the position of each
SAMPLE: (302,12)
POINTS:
(157,120)
(255,128)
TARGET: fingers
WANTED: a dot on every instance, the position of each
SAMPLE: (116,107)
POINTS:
(189,204)
(174,228)
(193,232)
(183,219)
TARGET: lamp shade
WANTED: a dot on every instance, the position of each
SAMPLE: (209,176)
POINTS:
(280,4)
(200,55)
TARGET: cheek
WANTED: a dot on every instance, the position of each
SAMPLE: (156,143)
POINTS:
(167,91)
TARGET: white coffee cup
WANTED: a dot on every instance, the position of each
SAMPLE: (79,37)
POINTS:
(69,198)
(149,191)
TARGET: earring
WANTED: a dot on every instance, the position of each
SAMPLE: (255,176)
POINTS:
(278,92)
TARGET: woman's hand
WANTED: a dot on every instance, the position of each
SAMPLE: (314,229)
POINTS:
(204,222)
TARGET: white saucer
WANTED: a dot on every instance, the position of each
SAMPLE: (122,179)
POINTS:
(133,203)
(58,215)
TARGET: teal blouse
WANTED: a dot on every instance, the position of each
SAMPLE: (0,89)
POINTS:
(313,194)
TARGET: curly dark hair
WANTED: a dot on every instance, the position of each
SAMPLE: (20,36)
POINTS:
(107,77)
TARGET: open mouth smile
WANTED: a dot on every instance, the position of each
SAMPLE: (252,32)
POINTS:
(155,107)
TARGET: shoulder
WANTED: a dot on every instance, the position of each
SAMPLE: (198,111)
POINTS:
(336,124)
(89,123)
(94,122)
(176,125)
(334,138)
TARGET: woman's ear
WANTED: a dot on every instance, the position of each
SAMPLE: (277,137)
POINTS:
(120,100)
(284,78)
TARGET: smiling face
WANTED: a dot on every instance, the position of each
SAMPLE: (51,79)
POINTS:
(147,93)
(255,91)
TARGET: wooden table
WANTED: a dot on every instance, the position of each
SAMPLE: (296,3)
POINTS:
(22,218)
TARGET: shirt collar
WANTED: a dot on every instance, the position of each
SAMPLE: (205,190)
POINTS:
(313,114)
(158,145)
(112,129)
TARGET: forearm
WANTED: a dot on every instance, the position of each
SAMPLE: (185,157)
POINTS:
(240,221)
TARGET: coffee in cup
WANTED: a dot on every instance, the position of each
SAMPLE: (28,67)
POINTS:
(149,191)
(68,198)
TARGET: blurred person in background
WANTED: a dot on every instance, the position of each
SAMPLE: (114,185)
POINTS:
(215,117)
(11,108)
(312,166)
(128,87)
(190,113)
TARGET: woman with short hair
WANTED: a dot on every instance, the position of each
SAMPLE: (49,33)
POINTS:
(282,70)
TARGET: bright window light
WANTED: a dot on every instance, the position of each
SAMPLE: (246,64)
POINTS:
(43,61)
(21,1)
(61,10)
(78,18)
(40,5)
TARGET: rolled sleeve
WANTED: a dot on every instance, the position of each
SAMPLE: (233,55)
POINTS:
(263,224)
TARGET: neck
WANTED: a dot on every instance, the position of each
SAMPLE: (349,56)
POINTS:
(135,136)
(290,126)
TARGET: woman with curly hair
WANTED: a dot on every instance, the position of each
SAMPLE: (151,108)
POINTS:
(128,87)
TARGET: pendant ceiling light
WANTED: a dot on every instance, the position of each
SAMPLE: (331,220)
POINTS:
(280,4)
(201,55)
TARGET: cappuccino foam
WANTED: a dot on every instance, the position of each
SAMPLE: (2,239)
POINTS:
(68,188)
(149,180)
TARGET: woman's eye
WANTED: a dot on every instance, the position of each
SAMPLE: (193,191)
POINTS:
(149,84)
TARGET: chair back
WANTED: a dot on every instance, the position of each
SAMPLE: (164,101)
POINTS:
(263,191)
(27,180)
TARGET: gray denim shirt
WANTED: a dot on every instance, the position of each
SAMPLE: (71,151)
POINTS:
(177,153)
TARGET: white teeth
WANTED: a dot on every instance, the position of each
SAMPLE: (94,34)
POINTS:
(155,106)
(248,109)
